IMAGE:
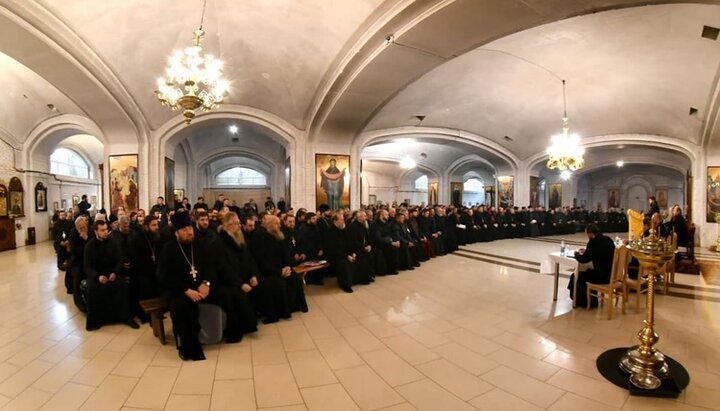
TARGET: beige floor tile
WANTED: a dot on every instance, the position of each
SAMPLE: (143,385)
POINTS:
(167,356)
(31,352)
(635,403)
(153,389)
(409,349)
(523,386)
(111,394)
(61,349)
(537,347)
(24,378)
(98,368)
(7,350)
(367,388)
(499,400)
(400,407)
(424,335)
(285,408)
(702,397)
(338,353)
(29,400)
(328,398)
(426,395)
(391,368)
(575,364)
(7,371)
(188,403)
(472,341)
(310,369)
(124,340)
(91,346)
(296,338)
(466,359)
(454,379)
(533,367)
(234,362)
(137,359)
(236,395)
(268,350)
(195,378)
(601,391)
(275,386)
(379,327)
(60,374)
(69,398)
(361,339)
(320,327)
(572,402)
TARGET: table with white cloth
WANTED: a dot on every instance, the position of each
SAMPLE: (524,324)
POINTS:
(567,259)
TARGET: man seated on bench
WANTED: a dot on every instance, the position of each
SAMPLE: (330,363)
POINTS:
(186,272)
(107,290)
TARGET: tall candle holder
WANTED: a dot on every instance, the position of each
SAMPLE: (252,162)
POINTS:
(645,363)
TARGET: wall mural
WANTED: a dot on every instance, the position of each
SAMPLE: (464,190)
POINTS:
(613,198)
(661,195)
(123,182)
(713,194)
(333,180)
(170,183)
(40,198)
(534,191)
(555,195)
(506,196)
(432,193)
(3,201)
(17,203)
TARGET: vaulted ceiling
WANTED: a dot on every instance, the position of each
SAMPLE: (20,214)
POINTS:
(337,69)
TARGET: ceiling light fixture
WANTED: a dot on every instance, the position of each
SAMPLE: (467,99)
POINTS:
(192,80)
(565,152)
(407,163)
(233,129)
(620,163)
(565,174)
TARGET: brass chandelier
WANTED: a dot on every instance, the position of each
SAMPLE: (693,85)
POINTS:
(192,80)
(565,152)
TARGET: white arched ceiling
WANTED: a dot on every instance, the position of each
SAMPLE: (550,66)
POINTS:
(633,70)
(276,53)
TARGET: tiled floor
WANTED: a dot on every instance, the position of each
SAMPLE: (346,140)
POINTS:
(456,334)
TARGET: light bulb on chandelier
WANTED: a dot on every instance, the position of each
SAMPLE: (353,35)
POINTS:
(565,151)
(192,80)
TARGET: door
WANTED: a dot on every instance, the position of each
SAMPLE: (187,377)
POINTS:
(637,197)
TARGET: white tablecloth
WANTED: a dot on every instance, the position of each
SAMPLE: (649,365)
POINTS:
(555,260)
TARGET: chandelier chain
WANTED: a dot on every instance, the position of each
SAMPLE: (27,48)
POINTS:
(564,101)
(202,16)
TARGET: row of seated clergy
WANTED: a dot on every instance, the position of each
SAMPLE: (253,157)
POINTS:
(219,271)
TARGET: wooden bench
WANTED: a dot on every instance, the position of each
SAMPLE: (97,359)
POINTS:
(302,270)
(156,308)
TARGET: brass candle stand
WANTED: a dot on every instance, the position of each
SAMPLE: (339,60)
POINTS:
(645,364)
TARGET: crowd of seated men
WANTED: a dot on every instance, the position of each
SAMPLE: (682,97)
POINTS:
(243,260)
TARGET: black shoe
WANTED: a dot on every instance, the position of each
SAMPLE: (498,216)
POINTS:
(347,289)
(132,324)
(270,320)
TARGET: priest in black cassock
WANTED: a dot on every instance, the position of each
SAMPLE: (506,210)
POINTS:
(144,255)
(107,289)
(237,275)
(282,289)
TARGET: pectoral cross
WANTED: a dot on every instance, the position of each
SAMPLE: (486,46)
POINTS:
(193,272)
(293,241)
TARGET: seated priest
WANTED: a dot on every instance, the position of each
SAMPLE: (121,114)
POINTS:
(144,255)
(281,289)
(107,290)
(186,271)
(401,233)
(358,237)
(339,253)
(387,255)
(600,250)
(236,277)
(291,240)
(78,240)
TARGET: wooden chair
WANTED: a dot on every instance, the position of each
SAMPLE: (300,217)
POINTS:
(157,308)
(668,271)
(616,287)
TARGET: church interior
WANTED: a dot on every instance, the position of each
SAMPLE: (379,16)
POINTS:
(569,108)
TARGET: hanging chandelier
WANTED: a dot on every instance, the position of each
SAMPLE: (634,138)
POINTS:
(565,151)
(192,80)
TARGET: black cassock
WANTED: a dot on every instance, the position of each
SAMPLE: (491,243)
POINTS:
(77,266)
(277,296)
(106,303)
(235,268)
(175,277)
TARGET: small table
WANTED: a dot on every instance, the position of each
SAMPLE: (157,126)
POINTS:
(567,259)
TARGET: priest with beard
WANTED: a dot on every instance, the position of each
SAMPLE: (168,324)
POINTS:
(203,230)
(237,275)
(186,271)
(282,289)
(359,241)
(339,253)
(144,256)
(107,300)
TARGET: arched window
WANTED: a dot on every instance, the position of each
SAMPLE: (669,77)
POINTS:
(474,185)
(69,163)
(421,183)
(240,176)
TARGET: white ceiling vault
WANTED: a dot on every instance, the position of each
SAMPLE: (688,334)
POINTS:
(484,68)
